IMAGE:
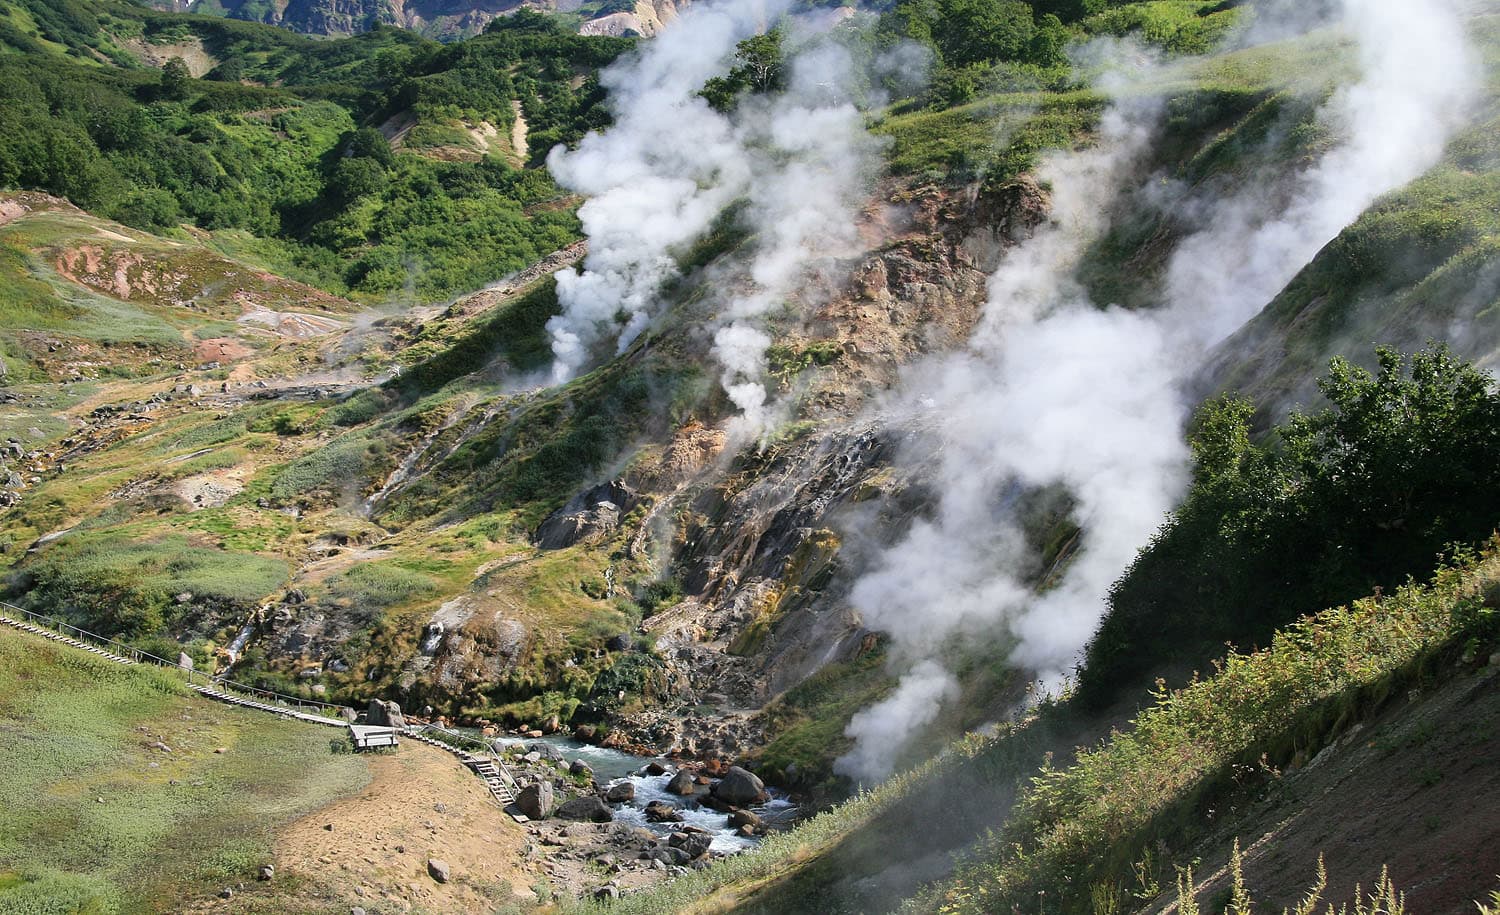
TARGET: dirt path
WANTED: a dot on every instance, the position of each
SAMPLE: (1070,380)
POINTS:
(518,133)
(371,850)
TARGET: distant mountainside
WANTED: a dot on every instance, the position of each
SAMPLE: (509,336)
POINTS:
(432,18)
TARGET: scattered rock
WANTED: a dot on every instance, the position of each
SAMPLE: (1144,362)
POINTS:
(683,783)
(670,856)
(184,660)
(226,893)
(662,812)
(266,872)
(696,844)
(619,794)
(740,787)
(158,745)
(221,750)
(356,911)
(607,891)
(546,751)
(589,807)
(580,769)
(739,818)
(536,800)
(621,642)
(438,870)
(655,768)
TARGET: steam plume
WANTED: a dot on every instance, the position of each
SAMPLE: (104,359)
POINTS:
(1054,390)
(800,159)
(655,180)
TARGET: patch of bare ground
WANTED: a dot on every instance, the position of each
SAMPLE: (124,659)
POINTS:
(371,849)
(1416,789)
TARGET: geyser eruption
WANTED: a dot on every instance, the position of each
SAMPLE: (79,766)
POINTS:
(799,158)
(1054,390)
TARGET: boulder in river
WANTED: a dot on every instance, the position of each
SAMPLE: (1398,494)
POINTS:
(683,783)
(589,807)
(662,812)
(545,751)
(536,800)
(740,787)
(619,794)
(739,818)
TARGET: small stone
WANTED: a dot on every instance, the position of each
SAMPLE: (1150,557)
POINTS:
(221,749)
(356,911)
(328,826)
(266,872)
(438,870)
(226,893)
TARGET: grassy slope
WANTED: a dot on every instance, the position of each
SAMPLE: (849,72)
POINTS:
(96,820)
(1376,282)
(1123,814)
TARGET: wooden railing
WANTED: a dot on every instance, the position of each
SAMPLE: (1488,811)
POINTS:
(139,656)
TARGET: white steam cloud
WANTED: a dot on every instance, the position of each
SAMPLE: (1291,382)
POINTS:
(800,159)
(1054,390)
(656,180)
(813,163)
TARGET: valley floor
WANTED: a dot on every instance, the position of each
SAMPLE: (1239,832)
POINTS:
(371,849)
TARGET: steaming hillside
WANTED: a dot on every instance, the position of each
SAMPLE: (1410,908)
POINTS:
(804,388)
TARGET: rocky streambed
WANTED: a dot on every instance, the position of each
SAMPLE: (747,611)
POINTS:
(727,804)
(604,822)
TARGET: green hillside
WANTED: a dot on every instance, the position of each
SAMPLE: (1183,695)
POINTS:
(122,794)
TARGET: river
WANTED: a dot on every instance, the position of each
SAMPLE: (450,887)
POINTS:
(611,767)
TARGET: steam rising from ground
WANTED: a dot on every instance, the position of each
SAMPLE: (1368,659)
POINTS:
(799,158)
(1054,390)
(656,180)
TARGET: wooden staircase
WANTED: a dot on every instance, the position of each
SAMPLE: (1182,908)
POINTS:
(232,699)
(59,637)
(501,784)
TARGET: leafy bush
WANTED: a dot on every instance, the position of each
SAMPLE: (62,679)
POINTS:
(1343,502)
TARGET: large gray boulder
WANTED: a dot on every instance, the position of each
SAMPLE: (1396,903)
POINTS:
(590,808)
(438,870)
(593,512)
(683,783)
(619,794)
(384,714)
(545,750)
(536,800)
(740,787)
(696,844)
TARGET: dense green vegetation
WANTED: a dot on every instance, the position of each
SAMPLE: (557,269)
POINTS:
(300,166)
(1343,502)
(115,585)
(97,820)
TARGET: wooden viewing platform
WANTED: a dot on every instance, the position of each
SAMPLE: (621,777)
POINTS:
(370,737)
